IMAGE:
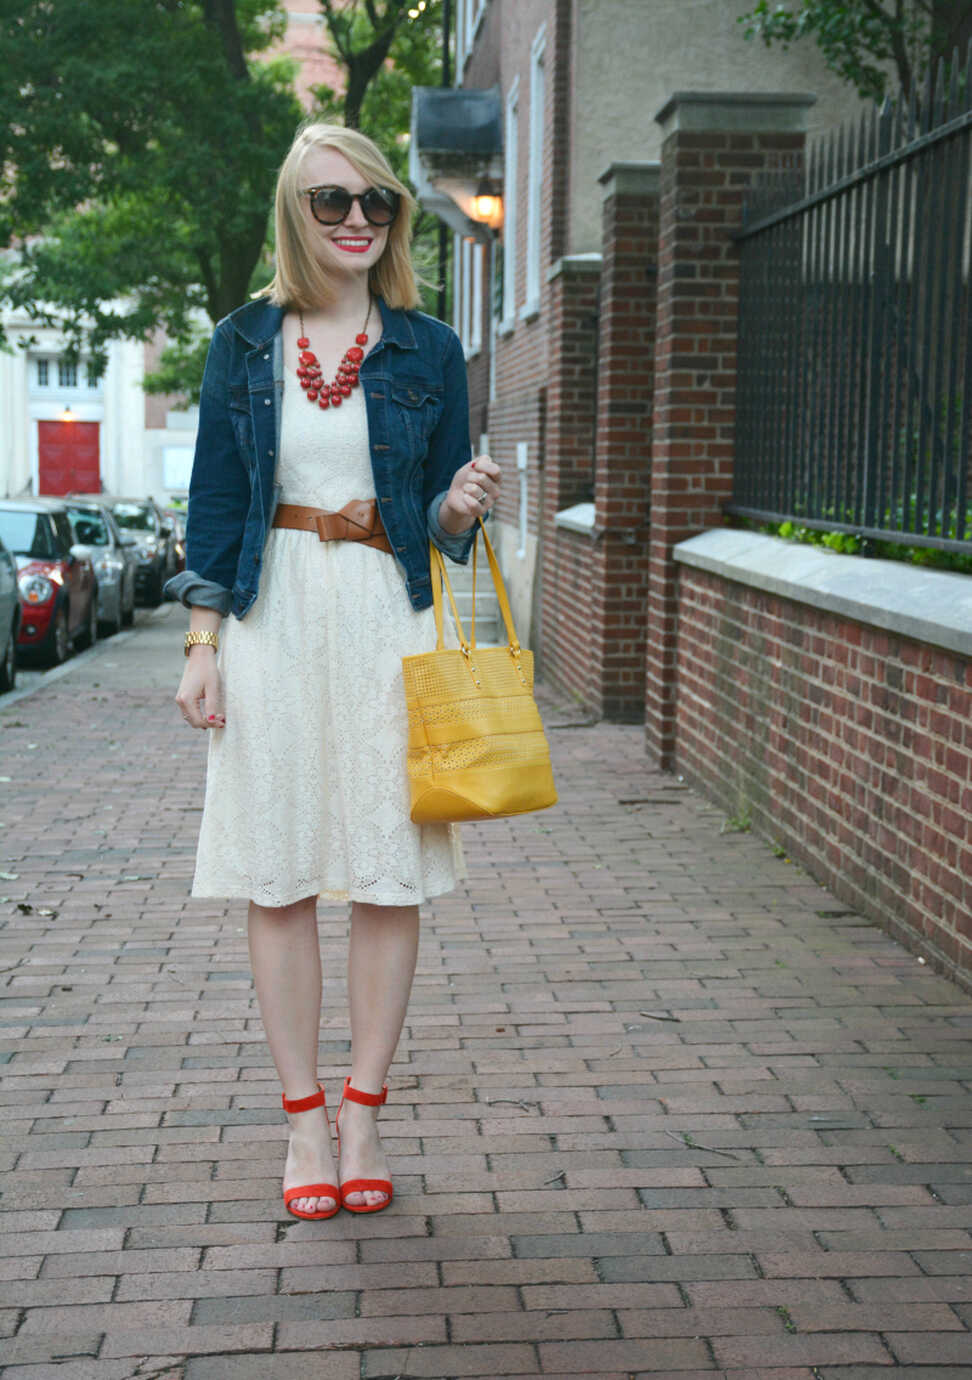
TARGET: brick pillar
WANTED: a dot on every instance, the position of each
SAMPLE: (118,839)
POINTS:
(562,632)
(626,369)
(714,146)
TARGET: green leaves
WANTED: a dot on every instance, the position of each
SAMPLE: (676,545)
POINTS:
(140,141)
(867,42)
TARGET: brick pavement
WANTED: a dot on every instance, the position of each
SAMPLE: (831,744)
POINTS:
(662,1107)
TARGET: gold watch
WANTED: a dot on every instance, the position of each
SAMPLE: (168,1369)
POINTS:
(201,639)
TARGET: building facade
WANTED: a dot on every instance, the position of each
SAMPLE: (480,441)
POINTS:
(556,307)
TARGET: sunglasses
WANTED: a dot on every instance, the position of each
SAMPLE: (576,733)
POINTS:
(332,205)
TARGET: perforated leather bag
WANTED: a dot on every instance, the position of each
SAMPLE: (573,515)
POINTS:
(476,746)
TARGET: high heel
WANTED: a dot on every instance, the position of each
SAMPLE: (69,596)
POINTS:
(351,1094)
(304,1104)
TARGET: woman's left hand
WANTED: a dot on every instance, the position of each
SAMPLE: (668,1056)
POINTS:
(474,490)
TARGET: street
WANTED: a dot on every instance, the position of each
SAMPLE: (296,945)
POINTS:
(662,1106)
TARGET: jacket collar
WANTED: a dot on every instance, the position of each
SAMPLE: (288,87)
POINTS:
(259,321)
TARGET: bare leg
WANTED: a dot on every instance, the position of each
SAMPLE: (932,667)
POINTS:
(286,962)
(381,965)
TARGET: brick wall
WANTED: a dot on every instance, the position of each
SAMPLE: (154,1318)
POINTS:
(849,745)
(705,171)
(622,483)
(516,412)
(563,638)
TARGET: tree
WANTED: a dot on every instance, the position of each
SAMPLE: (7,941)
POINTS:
(860,39)
(140,152)
(140,141)
(386,47)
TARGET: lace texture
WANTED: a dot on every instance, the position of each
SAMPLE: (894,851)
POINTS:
(307,787)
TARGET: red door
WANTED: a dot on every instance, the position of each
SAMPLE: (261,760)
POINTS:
(68,458)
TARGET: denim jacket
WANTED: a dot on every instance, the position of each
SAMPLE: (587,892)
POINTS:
(414,383)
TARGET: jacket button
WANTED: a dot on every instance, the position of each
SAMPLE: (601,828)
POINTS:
(266,402)
(269,452)
(266,356)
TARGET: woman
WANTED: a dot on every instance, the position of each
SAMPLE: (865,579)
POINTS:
(306,791)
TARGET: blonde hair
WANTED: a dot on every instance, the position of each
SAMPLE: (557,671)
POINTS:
(300,280)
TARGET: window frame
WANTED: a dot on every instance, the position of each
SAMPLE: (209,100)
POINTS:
(510,218)
(534,208)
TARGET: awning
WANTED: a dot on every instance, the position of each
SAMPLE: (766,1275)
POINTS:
(456,141)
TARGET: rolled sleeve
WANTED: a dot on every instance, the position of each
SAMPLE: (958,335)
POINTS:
(191,589)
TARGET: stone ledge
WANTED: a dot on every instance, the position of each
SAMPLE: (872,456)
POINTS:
(574,263)
(933,606)
(579,518)
(630,179)
(735,112)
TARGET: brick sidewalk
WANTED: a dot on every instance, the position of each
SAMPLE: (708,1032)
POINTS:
(662,1107)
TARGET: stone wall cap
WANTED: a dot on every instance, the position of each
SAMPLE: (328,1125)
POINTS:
(630,179)
(579,518)
(648,167)
(575,263)
(933,606)
(738,111)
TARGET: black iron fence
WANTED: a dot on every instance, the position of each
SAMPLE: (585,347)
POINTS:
(854,403)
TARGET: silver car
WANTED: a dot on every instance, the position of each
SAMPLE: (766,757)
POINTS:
(9,619)
(112,554)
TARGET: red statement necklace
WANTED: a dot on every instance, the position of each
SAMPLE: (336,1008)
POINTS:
(316,390)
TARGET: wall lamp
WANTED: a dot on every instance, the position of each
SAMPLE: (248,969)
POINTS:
(487,204)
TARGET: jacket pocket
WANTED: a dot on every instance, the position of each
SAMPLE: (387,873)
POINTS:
(416,409)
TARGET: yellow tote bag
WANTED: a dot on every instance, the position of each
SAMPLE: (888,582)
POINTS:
(476,746)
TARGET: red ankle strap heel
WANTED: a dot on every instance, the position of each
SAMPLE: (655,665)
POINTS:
(351,1094)
(304,1104)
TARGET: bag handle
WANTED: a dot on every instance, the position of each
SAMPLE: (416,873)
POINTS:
(438,577)
(439,574)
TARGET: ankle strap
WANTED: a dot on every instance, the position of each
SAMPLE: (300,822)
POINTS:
(368,1099)
(303,1104)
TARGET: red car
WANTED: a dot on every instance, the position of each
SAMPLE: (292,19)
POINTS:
(58,594)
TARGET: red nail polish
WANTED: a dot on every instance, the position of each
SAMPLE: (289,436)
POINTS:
(212,718)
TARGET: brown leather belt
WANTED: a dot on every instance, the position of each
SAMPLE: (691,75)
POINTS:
(356,521)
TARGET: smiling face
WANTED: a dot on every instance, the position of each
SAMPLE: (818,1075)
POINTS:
(354,246)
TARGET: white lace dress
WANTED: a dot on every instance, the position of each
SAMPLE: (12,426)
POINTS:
(306,787)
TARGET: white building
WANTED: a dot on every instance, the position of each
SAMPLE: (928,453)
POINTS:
(63,429)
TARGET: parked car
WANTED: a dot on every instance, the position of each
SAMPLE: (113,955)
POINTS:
(177,517)
(55,578)
(143,519)
(9,619)
(112,554)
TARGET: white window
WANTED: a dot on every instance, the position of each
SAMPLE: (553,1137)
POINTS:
(43,373)
(468,15)
(522,453)
(468,314)
(466,332)
(476,298)
(535,176)
(91,376)
(457,284)
(509,207)
(67,374)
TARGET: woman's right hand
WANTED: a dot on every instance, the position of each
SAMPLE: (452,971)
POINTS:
(200,694)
